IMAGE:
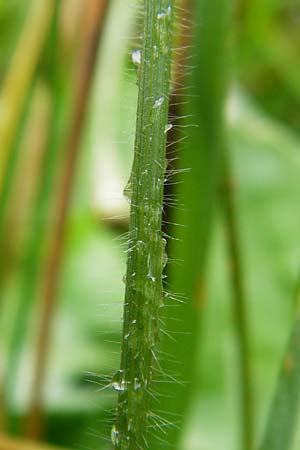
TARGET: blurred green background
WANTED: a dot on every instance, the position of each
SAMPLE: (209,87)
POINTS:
(42,58)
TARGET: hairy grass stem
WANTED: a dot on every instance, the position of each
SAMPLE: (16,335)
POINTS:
(146,257)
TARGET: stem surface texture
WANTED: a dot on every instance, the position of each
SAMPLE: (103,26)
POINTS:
(146,255)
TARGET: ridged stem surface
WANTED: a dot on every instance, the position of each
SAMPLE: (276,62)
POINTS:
(146,256)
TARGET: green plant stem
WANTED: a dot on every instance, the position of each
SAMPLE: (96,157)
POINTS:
(284,412)
(92,28)
(144,295)
(239,306)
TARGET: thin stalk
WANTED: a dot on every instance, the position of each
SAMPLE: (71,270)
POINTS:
(3,413)
(17,90)
(15,98)
(8,247)
(86,63)
(20,74)
(284,412)
(4,196)
(33,248)
(239,306)
(146,259)
(8,176)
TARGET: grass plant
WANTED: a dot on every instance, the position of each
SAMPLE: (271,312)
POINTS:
(197,192)
(146,246)
(239,303)
(283,416)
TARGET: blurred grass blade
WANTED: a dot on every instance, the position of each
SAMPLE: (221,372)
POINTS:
(33,248)
(91,30)
(15,98)
(197,193)
(4,197)
(8,176)
(19,77)
(239,305)
(284,412)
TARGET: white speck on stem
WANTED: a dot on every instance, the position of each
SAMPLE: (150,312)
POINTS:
(118,382)
(159,102)
(136,57)
(161,15)
(115,435)
(168,127)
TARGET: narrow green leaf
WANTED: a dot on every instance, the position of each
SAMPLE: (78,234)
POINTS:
(196,192)
(239,304)
(283,415)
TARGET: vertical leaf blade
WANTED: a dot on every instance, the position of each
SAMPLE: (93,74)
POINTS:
(283,415)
